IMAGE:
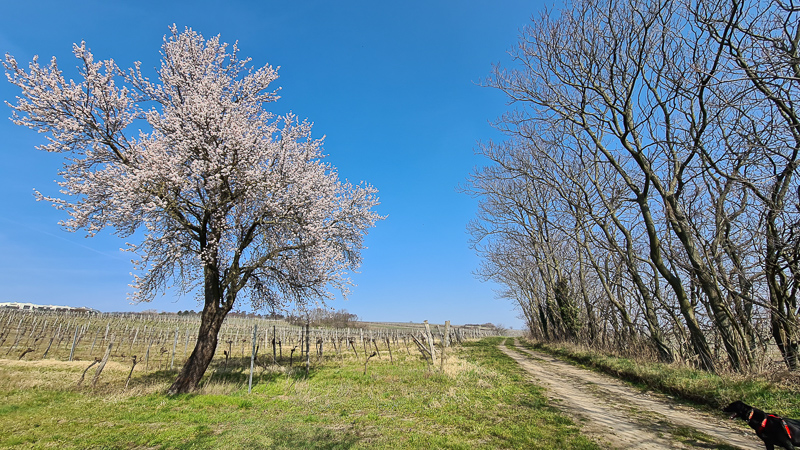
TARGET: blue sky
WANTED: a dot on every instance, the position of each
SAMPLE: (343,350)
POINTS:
(394,87)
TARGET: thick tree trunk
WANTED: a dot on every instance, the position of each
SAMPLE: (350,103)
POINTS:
(696,337)
(734,347)
(191,373)
(543,321)
(211,319)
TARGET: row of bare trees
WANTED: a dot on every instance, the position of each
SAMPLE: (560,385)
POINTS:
(646,196)
(323,317)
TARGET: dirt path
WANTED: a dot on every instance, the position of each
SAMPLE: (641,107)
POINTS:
(618,416)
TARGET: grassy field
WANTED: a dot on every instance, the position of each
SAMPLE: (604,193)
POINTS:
(482,399)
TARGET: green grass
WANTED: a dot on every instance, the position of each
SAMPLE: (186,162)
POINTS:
(481,400)
(695,386)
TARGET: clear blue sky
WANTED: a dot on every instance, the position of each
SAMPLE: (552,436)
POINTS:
(394,87)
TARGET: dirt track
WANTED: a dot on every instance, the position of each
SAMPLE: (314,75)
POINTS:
(618,416)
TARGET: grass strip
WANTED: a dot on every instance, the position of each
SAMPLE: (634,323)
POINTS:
(684,383)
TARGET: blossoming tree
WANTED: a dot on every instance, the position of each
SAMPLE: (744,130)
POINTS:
(221,193)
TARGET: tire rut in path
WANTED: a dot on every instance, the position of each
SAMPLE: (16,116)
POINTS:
(618,416)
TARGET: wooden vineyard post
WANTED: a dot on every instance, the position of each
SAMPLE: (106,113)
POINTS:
(135,335)
(429,336)
(102,364)
(17,338)
(273,345)
(253,359)
(364,344)
(186,344)
(48,346)
(421,347)
(74,342)
(147,354)
(308,348)
(445,343)
(174,346)
(300,340)
(389,346)
(335,348)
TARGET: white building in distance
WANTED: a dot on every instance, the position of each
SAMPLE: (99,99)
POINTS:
(32,306)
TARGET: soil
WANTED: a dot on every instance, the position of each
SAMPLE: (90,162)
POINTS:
(619,416)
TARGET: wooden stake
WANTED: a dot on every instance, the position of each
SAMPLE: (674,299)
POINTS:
(102,364)
(74,342)
(429,336)
(252,360)
(445,343)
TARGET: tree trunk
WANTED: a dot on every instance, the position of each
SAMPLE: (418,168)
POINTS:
(720,313)
(211,319)
(696,337)
(194,368)
(780,322)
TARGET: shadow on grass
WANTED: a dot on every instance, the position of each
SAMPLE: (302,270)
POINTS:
(233,374)
(158,376)
(316,439)
(305,439)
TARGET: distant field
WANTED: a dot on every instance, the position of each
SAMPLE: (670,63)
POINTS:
(478,398)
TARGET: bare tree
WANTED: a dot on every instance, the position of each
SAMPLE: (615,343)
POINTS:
(638,124)
(761,40)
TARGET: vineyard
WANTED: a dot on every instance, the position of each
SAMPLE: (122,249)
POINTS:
(162,342)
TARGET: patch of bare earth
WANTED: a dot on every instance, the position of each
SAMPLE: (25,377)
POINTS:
(620,417)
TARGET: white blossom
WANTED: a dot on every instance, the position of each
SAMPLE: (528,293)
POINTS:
(224,192)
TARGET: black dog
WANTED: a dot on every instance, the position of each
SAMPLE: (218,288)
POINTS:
(773,430)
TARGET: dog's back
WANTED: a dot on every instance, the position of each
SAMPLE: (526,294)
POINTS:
(772,429)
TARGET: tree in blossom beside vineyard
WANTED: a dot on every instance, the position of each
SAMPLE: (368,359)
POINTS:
(227,196)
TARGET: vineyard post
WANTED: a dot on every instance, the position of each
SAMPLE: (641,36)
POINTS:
(49,345)
(147,354)
(429,336)
(17,337)
(135,335)
(74,341)
(186,344)
(389,346)
(102,364)
(174,346)
(445,343)
(253,359)
(33,328)
(308,348)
